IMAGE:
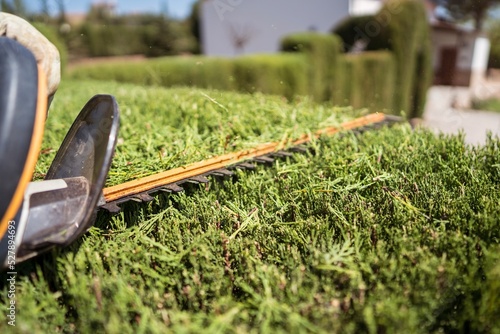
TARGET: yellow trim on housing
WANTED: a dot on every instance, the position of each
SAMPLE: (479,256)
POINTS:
(29,166)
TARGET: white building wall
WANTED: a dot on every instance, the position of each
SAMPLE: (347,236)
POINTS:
(481,54)
(466,52)
(264,22)
(479,67)
(365,7)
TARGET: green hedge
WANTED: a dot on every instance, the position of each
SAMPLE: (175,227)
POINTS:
(366,28)
(362,80)
(158,37)
(323,52)
(282,74)
(198,71)
(494,36)
(366,80)
(408,29)
(388,231)
(114,40)
(272,74)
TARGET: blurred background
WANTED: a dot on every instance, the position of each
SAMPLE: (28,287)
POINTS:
(123,27)
(464,37)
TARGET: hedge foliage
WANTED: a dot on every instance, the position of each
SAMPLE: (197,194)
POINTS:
(408,29)
(494,36)
(284,75)
(114,40)
(394,78)
(366,80)
(392,230)
(360,80)
(207,72)
(401,26)
(323,53)
(364,28)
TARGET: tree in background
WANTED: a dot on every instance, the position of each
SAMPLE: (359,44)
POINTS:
(195,26)
(61,6)
(160,41)
(476,10)
(240,36)
(494,35)
(15,7)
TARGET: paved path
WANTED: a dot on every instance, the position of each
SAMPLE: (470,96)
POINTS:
(440,116)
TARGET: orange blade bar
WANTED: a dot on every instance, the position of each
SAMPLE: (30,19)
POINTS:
(198,168)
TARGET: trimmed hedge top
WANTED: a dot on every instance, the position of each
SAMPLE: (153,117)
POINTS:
(390,230)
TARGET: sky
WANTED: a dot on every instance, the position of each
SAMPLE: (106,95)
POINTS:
(176,8)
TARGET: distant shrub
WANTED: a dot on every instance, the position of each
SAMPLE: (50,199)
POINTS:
(408,33)
(114,40)
(323,52)
(282,74)
(207,72)
(363,80)
(365,29)
(272,74)
(494,36)
(198,71)
(367,80)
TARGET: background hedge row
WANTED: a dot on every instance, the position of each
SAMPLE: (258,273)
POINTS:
(357,89)
(393,76)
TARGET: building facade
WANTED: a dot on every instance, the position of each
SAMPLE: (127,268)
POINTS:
(235,27)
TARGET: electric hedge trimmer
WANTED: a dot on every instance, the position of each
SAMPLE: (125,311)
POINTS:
(37,216)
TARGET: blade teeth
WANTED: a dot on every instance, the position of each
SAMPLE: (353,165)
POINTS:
(281,154)
(222,172)
(264,159)
(245,165)
(393,119)
(144,197)
(298,149)
(172,188)
(111,207)
(198,179)
(134,199)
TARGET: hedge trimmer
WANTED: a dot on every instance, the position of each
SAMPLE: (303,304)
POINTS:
(37,216)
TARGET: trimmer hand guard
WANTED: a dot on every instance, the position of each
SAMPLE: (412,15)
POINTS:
(37,216)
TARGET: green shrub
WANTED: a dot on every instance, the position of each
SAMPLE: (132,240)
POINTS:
(198,71)
(204,72)
(408,31)
(115,40)
(52,35)
(494,36)
(281,74)
(365,28)
(272,74)
(388,231)
(151,35)
(323,52)
(491,104)
(367,81)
